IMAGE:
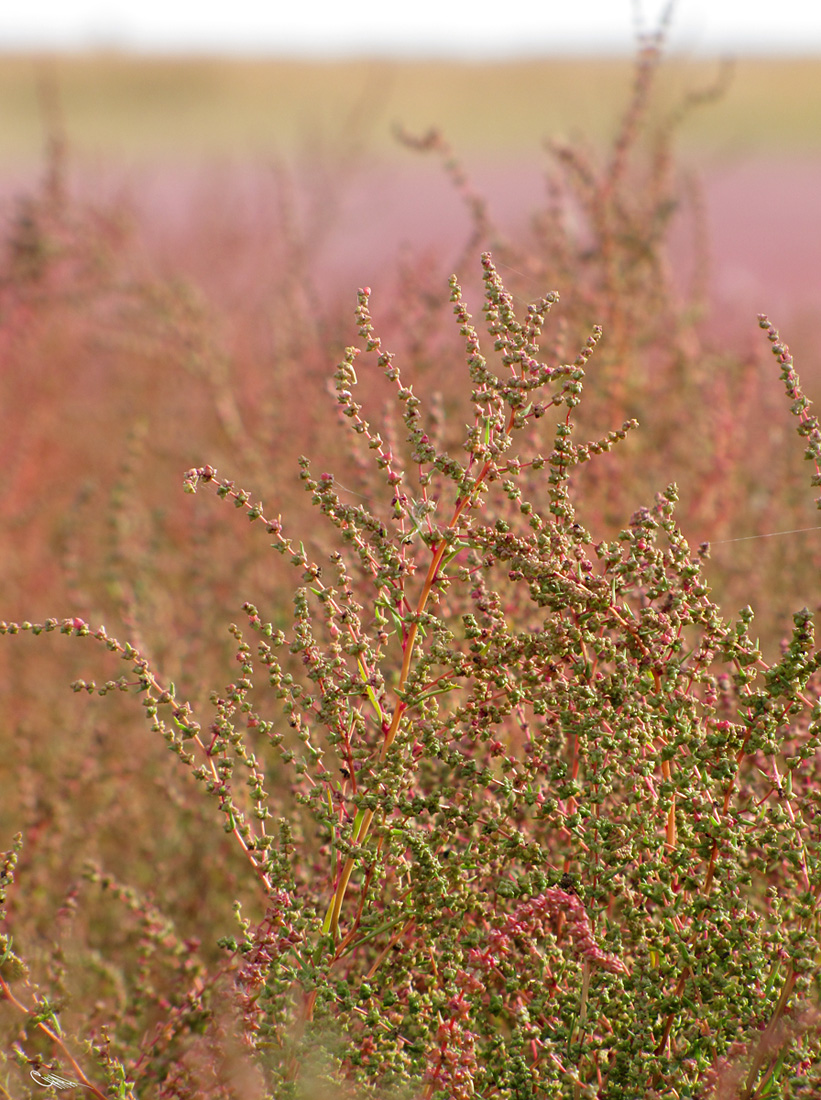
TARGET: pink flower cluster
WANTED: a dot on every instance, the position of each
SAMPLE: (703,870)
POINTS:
(530,918)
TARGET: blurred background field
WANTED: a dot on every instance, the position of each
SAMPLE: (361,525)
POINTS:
(188,143)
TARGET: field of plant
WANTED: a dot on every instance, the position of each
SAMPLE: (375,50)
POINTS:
(446,710)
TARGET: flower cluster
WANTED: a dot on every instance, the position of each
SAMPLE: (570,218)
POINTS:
(530,920)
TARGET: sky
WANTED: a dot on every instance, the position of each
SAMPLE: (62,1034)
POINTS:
(479,28)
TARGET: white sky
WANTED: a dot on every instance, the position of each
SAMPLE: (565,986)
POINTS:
(397,27)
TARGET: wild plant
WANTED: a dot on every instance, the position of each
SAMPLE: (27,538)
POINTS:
(505,804)
(550,826)
(604,234)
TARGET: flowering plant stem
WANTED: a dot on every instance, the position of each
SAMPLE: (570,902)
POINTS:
(363,824)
